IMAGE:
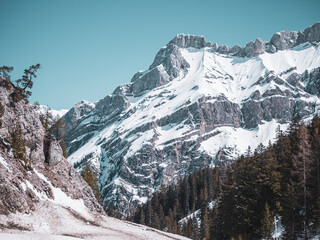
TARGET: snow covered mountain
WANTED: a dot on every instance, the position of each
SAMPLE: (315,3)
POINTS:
(198,104)
(41,195)
(42,109)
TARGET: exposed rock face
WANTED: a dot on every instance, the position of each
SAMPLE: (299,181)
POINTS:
(254,48)
(235,49)
(154,78)
(284,40)
(73,115)
(195,107)
(22,182)
(223,49)
(187,40)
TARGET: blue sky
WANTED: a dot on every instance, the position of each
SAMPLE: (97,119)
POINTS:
(89,47)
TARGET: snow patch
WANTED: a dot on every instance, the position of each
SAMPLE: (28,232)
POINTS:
(5,164)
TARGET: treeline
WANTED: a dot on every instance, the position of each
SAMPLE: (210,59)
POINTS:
(281,180)
(172,203)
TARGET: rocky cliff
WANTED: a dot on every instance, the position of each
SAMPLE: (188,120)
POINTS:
(42,163)
(198,104)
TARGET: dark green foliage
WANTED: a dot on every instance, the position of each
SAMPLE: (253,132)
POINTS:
(172,203)
(25,83)
(91,178)
(83,161)
(266,222)
(46,120)
(279,180)
(18,147)
(113,211)
(17,143)
(5,74)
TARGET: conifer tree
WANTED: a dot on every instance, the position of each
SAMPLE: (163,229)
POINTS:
(5,74)
(25,83)
(91,178)
(205,224)
(46,119)
(17,143)
(266,222)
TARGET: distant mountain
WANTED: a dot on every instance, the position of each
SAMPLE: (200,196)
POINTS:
(41,194)
(42,109)
(197,105)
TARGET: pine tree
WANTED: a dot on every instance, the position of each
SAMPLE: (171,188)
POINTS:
(46,119)
(25,83)
(18,147)
(205,224)
(91,178)
(5,73)
(142,217)
(17,143)
(266,222)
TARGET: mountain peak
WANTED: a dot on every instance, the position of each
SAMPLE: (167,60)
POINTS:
(188,40)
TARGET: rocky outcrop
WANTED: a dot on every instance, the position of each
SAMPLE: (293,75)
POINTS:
(284,40)
(24,182)
(154,78)
(187,40)
(79,110)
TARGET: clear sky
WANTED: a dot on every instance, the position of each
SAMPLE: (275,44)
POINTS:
(89,47)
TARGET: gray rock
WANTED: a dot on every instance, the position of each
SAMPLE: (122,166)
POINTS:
(52,151)
(152,79)
(294,79)
(223,49)
(313,81)
(214,47)
(79,110)
(15,195)
(171,59)
(235,49)
(284,40)
(187,40)
(310,34)
(271,48)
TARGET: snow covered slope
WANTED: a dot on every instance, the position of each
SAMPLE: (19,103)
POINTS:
(198,104)
(52,221)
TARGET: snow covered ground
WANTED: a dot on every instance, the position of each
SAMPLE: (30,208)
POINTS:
(52,221)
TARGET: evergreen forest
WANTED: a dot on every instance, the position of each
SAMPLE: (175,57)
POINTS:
(242,199)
